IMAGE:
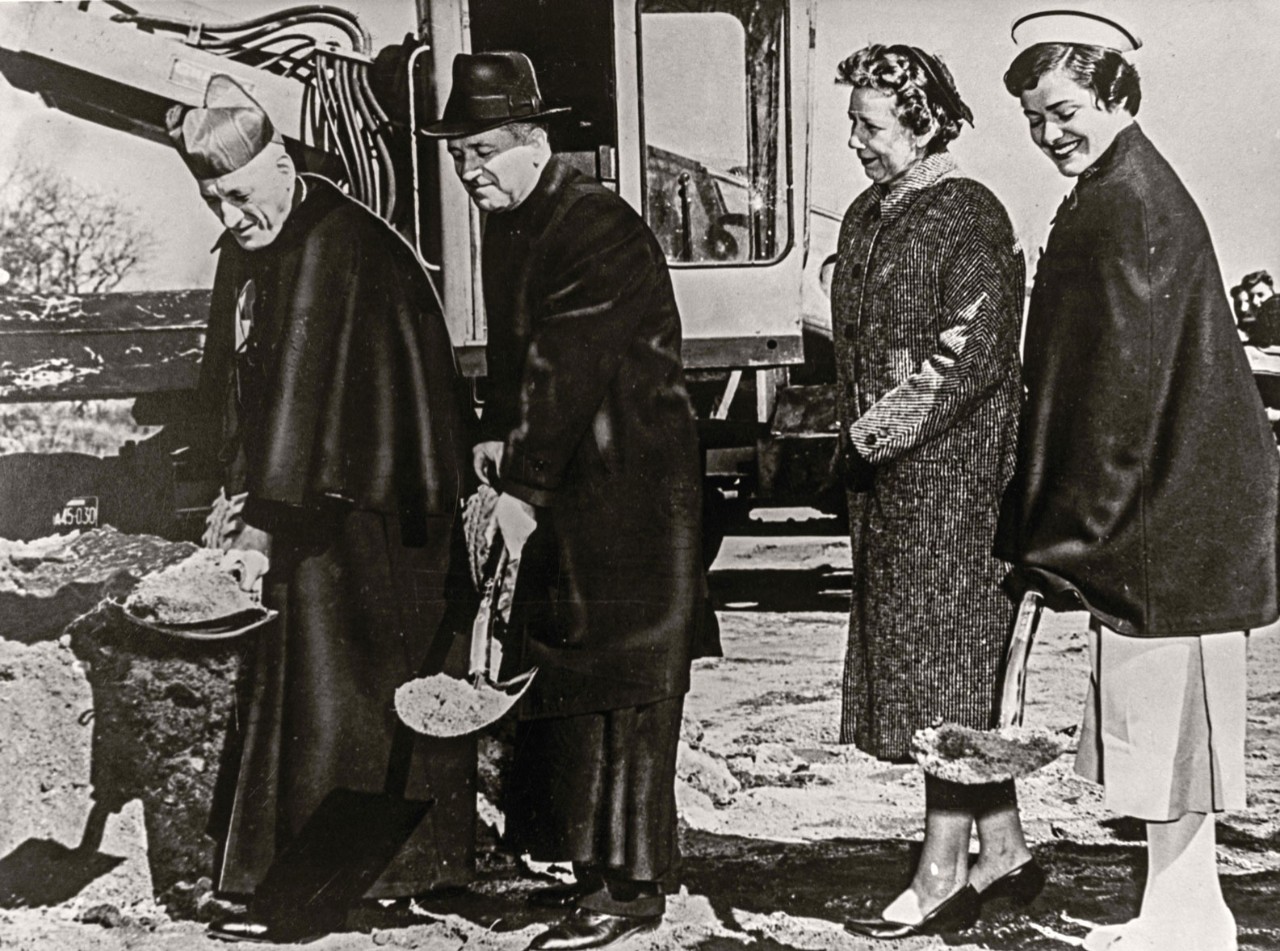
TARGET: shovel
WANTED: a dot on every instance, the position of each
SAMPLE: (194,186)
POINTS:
(446,706)
(963,755)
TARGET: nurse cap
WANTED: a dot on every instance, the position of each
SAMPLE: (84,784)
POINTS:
(1073,26)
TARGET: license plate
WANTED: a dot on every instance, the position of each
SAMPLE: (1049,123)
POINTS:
(80,512)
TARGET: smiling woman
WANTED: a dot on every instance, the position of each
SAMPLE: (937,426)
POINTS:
(1076,99)
(1146,482)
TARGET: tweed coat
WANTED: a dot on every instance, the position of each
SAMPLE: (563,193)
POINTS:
(588,396)
(927,303)
(1146,483)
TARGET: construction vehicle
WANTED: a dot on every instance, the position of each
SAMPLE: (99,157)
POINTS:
(695,111)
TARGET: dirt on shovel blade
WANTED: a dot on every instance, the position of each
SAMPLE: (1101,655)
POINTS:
(441,705)
(963,755)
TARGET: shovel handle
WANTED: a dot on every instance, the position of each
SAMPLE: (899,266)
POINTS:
(482,629)
(1013,691)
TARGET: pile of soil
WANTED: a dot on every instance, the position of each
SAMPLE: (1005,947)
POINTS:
(109,713)
(48,583)
(197,589)
(162,707)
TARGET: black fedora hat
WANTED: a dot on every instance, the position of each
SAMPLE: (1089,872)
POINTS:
(489,90)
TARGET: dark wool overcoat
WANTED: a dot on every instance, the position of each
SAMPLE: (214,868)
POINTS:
(343,421)
(1146,483)
(927,303)
(588,395)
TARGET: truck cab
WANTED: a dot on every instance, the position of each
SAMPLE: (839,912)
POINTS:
(695,111)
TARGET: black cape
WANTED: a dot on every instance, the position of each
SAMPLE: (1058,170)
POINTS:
(1146,479)
(344,421)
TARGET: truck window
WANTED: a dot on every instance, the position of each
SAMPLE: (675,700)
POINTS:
(713,76)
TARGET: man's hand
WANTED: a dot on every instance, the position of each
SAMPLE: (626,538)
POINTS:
(249,566)
(515,520)
(486,459)
(248,538)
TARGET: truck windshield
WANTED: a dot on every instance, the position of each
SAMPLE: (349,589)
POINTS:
(713,76)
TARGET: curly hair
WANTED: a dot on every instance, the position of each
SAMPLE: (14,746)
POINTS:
(1111,77)
(919,106)
(1256,277)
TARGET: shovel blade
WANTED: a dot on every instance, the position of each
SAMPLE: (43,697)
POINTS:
(445,706)
(962,755)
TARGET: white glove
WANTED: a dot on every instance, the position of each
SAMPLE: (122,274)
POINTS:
(513,519)
(248,567)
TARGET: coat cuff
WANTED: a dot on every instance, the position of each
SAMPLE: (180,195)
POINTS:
(869,441)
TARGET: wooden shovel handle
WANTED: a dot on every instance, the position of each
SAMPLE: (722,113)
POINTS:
(482,629)
(1013,692)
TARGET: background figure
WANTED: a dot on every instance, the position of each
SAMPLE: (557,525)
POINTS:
(330,392)
(927,298)
(1259,286)
(589,434)
(1264,310)
(1240,307)
(1146,485)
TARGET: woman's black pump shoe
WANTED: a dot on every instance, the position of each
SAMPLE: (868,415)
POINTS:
(957,913)
(1020,886)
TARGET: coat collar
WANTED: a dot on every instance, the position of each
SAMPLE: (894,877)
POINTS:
(896,198)
(1128,139)
(531,213)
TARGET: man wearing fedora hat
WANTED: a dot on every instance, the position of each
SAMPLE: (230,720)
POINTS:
(589,436)
(328,392)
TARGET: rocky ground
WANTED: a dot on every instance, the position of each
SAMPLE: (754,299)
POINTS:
(786,834)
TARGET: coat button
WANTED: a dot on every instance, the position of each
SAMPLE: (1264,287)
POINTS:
(850,331)
(855,270)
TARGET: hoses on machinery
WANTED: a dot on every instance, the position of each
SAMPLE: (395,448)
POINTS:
(341,114)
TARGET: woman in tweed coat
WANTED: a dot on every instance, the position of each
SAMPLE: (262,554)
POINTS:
(927,300)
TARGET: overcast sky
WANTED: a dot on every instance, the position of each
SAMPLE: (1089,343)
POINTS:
(1211,72)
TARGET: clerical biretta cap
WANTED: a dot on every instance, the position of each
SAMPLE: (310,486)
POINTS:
(224,134)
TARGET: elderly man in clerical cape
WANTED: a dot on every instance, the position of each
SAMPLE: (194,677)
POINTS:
(330,386)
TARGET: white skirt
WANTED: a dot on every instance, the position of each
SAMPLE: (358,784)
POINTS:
(1164,723)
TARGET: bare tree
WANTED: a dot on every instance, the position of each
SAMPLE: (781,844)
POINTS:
(58,237)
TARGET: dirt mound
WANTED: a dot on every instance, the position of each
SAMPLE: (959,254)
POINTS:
(46,584)
(162,707)
(198,588)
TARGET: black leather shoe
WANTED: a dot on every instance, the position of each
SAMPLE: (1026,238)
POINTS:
(957,913)
(1020,886)
(560,896)
(583,929)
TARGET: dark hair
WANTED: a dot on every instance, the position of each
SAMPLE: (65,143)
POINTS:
(1112,78)
(1256,277)
(920,104)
